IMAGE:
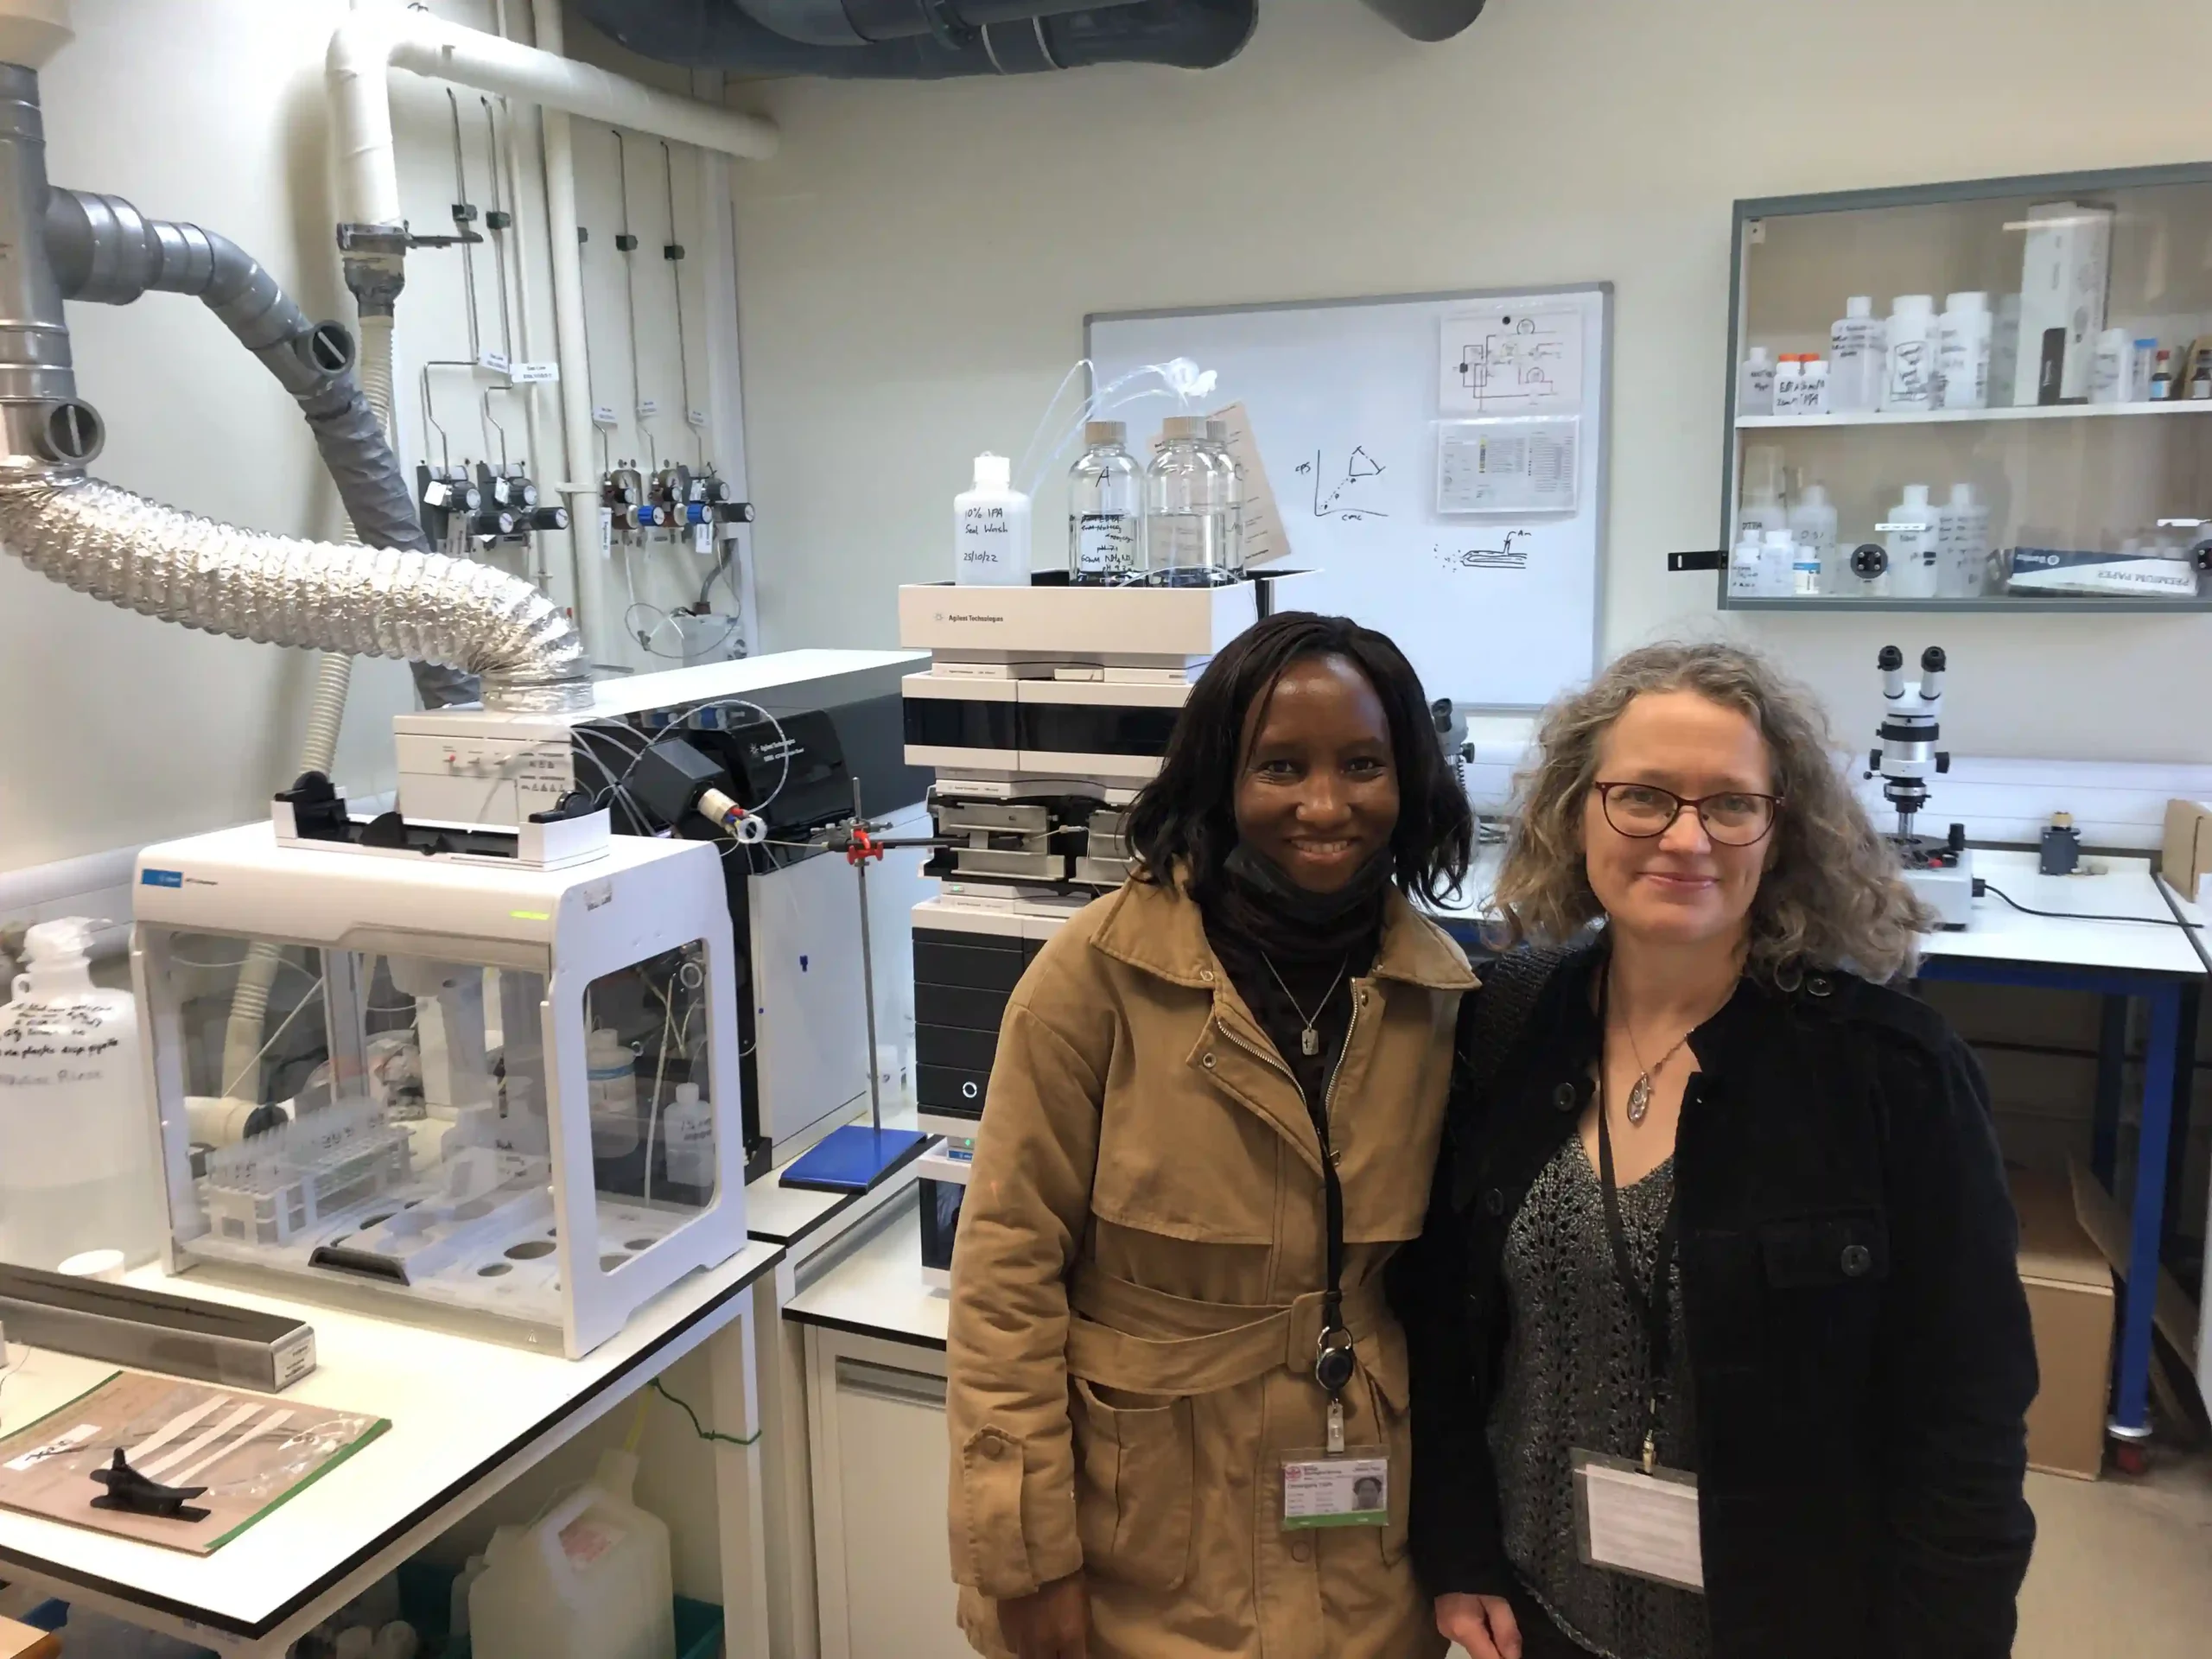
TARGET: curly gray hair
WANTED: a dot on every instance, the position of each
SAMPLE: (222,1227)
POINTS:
(1831,895)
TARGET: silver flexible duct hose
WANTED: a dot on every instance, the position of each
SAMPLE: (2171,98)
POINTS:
(282,590)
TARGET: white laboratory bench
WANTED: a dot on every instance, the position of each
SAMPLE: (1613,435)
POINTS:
(467,1417)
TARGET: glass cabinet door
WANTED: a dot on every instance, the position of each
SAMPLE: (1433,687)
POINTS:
(1983,396)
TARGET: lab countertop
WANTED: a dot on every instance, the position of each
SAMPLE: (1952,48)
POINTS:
(2079,934)
(875,1289)
(460,1409)
(802,1219)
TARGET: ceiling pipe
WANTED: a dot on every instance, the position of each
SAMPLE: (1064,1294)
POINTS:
(379,37)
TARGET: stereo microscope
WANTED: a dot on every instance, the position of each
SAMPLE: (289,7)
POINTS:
(1939,871)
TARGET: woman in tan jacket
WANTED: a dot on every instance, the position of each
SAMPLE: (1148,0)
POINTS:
(1177,1414)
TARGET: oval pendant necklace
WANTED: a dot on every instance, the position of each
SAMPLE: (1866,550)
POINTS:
(1639,1097)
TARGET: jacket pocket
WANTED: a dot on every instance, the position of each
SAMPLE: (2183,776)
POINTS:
(1135,1480)
(1809,1252)
(1386,1394)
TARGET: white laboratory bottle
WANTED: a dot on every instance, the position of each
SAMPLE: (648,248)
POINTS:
(1185,523)
(1813,387)
(1230,474)
(1909,532)
(990,529)
(1812,527)
(1777,564)
(590,1580)
(1760,506)
(2112,371)
(1789,385)
(1963,336)
(1105,509)
(77,1166)
(1962,545)
(611,1074)
(687,1130)
(1755,383)
(1745,564)
(1910,385)
(2139,370)
(1858,357)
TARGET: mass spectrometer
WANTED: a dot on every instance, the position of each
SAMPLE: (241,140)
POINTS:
(1043,711)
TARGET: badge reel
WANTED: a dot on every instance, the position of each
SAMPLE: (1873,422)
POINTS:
(1336,1485)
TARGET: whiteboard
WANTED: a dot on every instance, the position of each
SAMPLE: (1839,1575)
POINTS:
(1440,460)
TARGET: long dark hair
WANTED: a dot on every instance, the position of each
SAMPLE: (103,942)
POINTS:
(1188,815)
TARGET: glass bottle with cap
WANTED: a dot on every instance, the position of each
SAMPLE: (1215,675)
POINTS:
(1185,531)
(1232,484)
(1105,510)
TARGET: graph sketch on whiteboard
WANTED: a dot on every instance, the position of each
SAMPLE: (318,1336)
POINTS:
(1510,363)
(1350,497)
(1512,554)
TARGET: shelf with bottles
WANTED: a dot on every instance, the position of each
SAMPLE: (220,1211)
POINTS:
(1945,356)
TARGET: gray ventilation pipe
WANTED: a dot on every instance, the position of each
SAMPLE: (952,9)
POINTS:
(1427,20)
(102,249)
(181,567)
(925,40)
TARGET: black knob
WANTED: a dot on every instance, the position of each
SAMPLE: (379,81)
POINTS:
(548,519)
(1931,660)
(1891,657)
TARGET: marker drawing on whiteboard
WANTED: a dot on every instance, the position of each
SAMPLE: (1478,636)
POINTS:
(1346,500)
(1512,555)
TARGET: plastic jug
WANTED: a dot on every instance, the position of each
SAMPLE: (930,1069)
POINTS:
(589,1581)
(77,1165)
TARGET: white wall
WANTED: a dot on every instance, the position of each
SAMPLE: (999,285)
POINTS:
(117,729)
(915,267)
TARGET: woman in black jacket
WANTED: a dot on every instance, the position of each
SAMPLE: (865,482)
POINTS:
(1810,1442)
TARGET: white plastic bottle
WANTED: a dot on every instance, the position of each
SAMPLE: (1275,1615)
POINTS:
(591,1580)
(1745,562)
(610,1071)
(1909,534)
(2112,371)
(1963,336)
(1789,385)
(1105,509)
(77,1166)
(990,529)
(1760,509)
(1858,357)
(687,1130)
(1813,385)
(1755,383)
(1962,545)
(1812,527)
(1777,564)
(1910,385)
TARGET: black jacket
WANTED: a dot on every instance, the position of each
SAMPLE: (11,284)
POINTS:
(1857,1331)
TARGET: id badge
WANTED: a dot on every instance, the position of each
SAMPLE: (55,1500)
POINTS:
(1644,1525)
(1347,1488)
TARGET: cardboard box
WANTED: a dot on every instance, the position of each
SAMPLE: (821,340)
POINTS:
(2185,855)
(2063,271)
(2071,1302)
(21,1641)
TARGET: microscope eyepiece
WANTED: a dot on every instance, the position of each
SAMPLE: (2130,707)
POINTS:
(1931,660)
(1891,657)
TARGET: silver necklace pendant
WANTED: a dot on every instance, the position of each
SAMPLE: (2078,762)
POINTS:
(1639,1098)
(1309,1042)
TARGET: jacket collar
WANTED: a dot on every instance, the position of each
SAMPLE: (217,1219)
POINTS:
(1158,928)
(1567,1014)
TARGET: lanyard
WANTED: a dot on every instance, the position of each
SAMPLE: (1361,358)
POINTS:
(1649,1302)
(1333,1351)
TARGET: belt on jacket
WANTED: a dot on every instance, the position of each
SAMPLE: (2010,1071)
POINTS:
(1204,1346)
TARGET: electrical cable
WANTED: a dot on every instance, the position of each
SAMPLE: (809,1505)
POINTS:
(2081,916)
(284,1025)
(700,1428)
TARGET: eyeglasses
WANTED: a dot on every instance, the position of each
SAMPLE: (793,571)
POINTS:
(1734,818)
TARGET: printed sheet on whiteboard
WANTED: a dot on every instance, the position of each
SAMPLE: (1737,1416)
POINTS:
(1511,362)
(1516,465)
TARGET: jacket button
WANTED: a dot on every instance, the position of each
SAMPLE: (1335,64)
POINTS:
(1207,1061)
(992,1446)
(1819,985)
(1857,1258)
(1564,1097)
(1494,1202)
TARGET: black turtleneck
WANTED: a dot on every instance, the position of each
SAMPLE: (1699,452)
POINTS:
(1317,943)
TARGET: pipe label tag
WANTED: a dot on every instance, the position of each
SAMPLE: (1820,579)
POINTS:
(533,374)
(696,417)
(495,361)
(647,407)
(604,414)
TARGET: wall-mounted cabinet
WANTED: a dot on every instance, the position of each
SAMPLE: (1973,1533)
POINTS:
(1991,396)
